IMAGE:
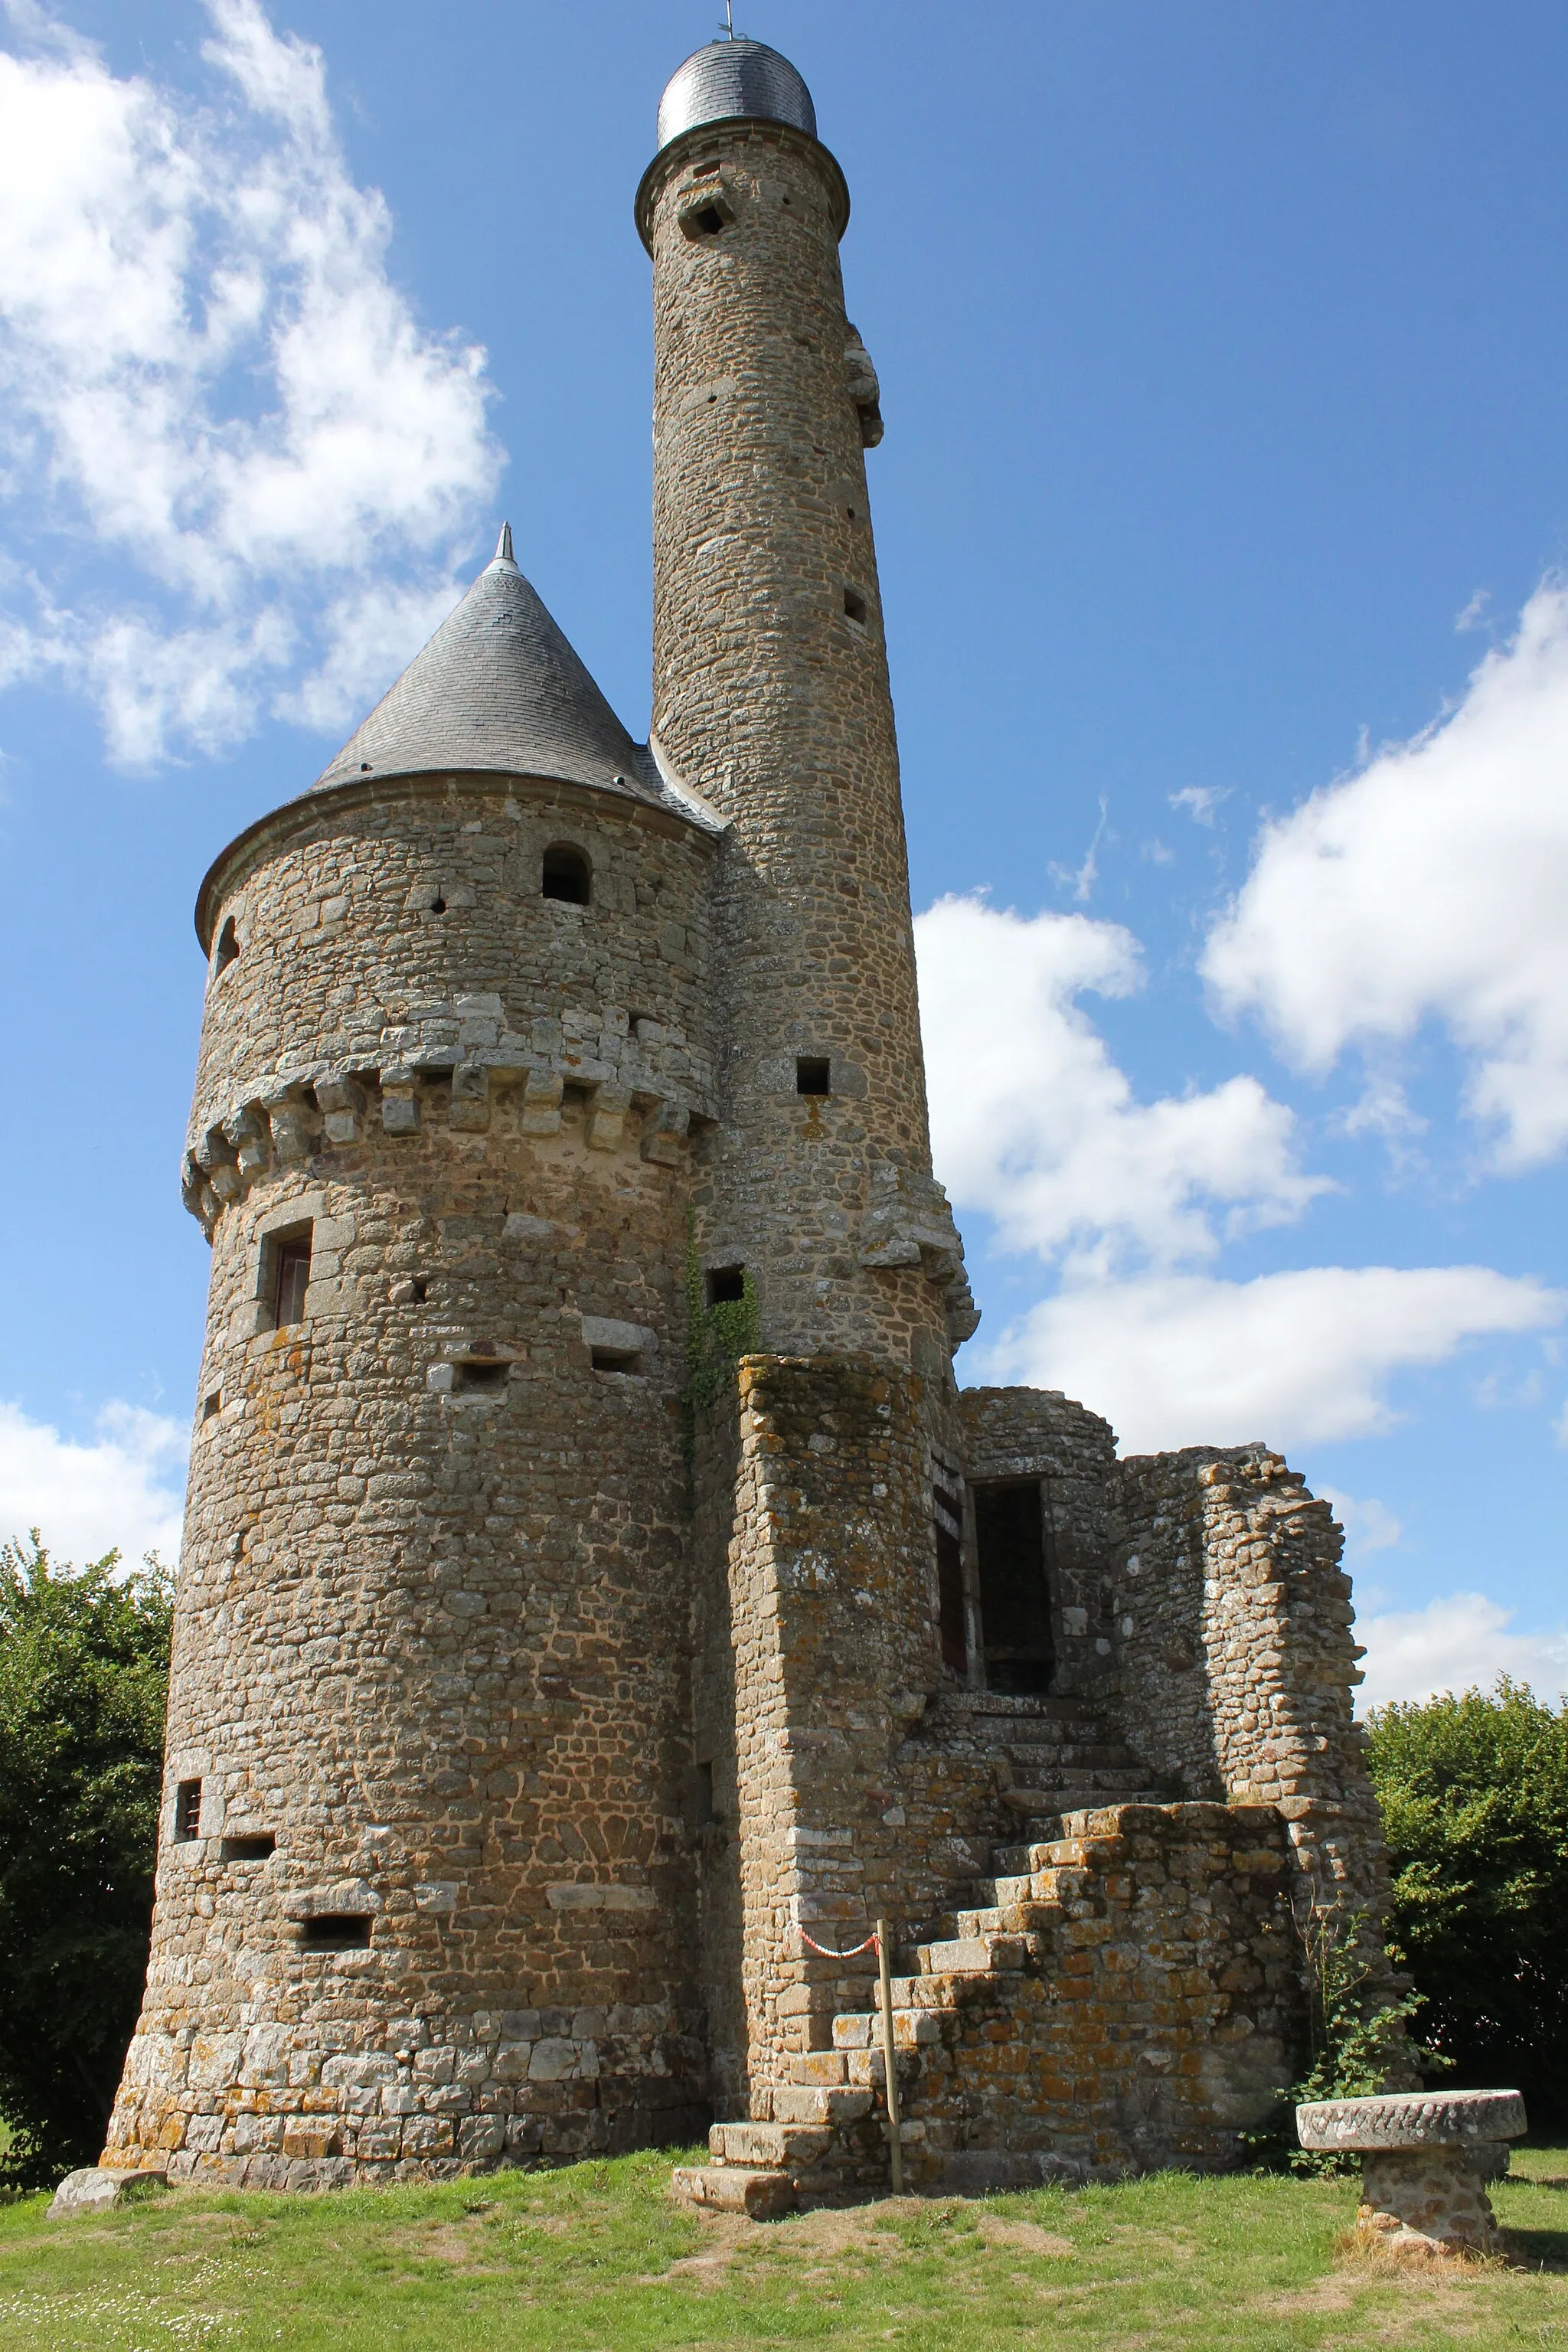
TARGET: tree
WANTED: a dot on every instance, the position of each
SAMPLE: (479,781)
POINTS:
(84,1670)
(1475,1799)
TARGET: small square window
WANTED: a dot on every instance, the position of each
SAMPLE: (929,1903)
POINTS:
(855,606)
(187,1811)
(487,1373)
(212,1404)
(813,1076)
(725,1282)
(615,1359)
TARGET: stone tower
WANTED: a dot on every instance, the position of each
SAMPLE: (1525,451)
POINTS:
(597,1601)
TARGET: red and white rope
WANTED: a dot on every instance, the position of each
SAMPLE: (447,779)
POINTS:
(869,1946)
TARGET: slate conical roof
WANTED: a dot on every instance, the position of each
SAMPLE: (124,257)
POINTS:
(496,688)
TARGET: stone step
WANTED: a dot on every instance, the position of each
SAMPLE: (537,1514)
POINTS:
(1045,1807)
(968,1956)
(809,2103)
(862,2028)
(1031,1918)
(1018,1888)
(826,2068)
(769,2147)
(729,2189)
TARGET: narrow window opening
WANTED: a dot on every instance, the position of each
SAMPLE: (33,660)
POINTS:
(701,1811)
(947,1512)
(290,1279)
(709,220)
(725,1282)
(437,905)
(337,1931)
(187,1811)
(212,1404)
(705,171)
(813,1075)
(418,1291)
(565,876)
(227,947)
(615,1359)
(473,1377)
(1015,1594)
(258,1848)
(855,606)
(950,1602)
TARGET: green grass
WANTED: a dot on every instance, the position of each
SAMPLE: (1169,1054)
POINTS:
(595,2258)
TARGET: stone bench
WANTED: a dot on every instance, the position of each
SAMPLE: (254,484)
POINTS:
(1425,2160)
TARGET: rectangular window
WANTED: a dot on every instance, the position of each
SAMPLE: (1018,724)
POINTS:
(337,1931)
(813,1075)
(1014,1595)
(258,1846)
(291,1274)
(187,1811)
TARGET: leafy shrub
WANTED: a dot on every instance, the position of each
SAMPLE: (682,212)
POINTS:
(84,1666)
(1475,1799)
(1359,2045)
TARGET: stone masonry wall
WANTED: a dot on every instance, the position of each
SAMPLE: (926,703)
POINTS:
(1156,2017)
(1235,1654)
(819,1646)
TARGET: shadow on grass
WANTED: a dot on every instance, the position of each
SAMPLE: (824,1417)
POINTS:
(1539,2249)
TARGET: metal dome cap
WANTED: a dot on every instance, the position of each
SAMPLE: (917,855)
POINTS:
(731,79)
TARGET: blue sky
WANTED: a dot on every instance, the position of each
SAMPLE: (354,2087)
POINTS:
(1222,518)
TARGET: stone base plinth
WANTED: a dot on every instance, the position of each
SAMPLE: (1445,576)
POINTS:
(1426,2200)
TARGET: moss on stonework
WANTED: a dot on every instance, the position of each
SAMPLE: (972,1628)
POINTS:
(717,1337)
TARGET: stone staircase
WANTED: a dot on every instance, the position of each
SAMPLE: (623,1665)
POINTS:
(827,2138)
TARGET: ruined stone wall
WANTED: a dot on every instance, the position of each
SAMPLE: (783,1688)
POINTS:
(1157,2016)
(771,698)
(1235,1653)
(431,1611)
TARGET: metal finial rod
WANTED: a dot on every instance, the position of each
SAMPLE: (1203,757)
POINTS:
(727,27)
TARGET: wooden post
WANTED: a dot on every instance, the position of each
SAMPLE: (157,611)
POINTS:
(889,2060)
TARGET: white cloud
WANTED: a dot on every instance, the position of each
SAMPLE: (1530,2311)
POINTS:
(1432,887)
(231,450)
(121,1491)
(1298,1358)
(1033,1121)
(1459,1643)
(1370,1525)
(1200,802)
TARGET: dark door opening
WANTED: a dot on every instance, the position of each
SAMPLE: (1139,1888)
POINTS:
(1014,1595)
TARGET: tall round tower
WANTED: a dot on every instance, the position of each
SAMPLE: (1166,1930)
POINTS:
(771,700)
(424,1893)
